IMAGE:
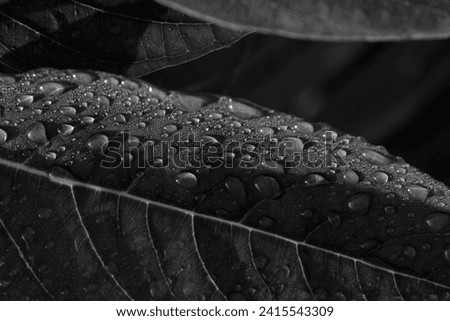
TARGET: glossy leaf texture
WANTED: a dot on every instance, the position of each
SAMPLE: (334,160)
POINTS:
(128,37)
(70,229)
(327,19)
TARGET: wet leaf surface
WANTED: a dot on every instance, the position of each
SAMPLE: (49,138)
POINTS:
(327,19)
(128,37)
(72,229)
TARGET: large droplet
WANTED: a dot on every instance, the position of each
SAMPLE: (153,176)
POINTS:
(25,100)
(171,128)
(242,110)
(417,192)
(3,136)
(98,143)
(335,220)
(84,77)
(303,127)
(447,253)
(37,134)
(409,251)
(266,131)
(291,145)
(375,157)
(186,180)
(7,79)
(359,203)
(68,111)
(120,118)
(266,222)
(380,177)
(235,186)
(52,88)
(267,186)
(438,220)
(315,179)
(65,129)
(350,177)
(191,103)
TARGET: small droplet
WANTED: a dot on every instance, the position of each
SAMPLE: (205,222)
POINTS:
(417,192)
(242,111)
(3,136)
(98,143)
(68,111)
(37,134)
(369,245)
(389,209)
(359,203)
(376,158)
(350,176)
(52,88)
(266,222)
(65,129)
(409,251)
(315,179)
(380,177)
(267,186)
(335,220)
(215,116)
(186,180)
(307,213)
(171,128)
(438,220)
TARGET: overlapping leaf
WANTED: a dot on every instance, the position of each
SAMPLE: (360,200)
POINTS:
(73,229)
(327,19)
(129,37)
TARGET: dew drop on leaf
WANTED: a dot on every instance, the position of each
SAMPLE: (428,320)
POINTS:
(267,186)
(68,111)
(409,251)
(418,192)
(350,177)
(87,120)
(83,77)
(389,209)
(380,177)
(25,100)
(437,221)
(235,186)
(447,253)
(303,127)
(266,131)
(171,128)
(335,220)
(65,129)
(315,179)
(375,157)
(186,180)
(98,143)
(37,134)
(3,136)
(369,245)
(241,110)
(359,203)
(7,80)
(52,88)
(266,222)
(120,118)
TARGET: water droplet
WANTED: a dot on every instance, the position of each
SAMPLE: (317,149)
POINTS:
(129,84)
(303,127)
(266,222)
(50,156)
(98,143)
(120,118)
(87,120)
(7,79)
(3,136)
(84,77)
(447,253)
(65,129)
(291,145)
(186,180)
(380,177)
(389,209)
(171,128)
(160,113)
(68,111)
(350,177)
(37,134)
(359,203)
(267,186)
(438,220)
(307,213)
(335,220)
(215,116)
(25,100)
(369,245)
(376,158)
(409,251)
(266,131)
(52,88)
(418,192)
(315,179)
(235,186)
(112,82)
(242,110)
(102,100)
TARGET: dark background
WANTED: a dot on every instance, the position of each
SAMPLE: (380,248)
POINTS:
(393,94)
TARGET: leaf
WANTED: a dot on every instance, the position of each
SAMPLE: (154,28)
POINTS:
(76,225)
(129,37)
(326,19)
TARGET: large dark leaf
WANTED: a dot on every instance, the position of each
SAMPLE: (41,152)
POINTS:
(130,37)
(72,229)
(327,19)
